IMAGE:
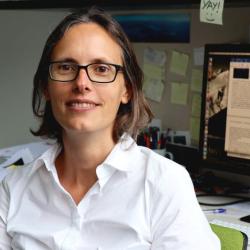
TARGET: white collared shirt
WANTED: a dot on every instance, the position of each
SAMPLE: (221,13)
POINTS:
(141,201)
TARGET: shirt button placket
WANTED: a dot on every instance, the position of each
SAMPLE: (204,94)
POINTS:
(70,242)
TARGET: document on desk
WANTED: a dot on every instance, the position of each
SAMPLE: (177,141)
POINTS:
(237,139)
(20,155)
(238,210)
(23,156)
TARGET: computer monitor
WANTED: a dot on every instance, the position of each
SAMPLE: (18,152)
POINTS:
(225,113)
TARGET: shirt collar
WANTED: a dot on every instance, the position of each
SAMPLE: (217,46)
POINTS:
(48,157)
(122,157)
(123,154)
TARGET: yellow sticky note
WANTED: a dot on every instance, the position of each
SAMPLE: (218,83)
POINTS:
(153,70)
(179,63)
(196,105)
(195,128)
(211,11)
(196,80)
(179,93)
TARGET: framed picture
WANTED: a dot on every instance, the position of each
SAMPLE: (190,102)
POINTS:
(156,28)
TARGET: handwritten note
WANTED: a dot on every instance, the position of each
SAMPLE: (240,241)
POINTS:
(179,93)
(211,11)
(179,63)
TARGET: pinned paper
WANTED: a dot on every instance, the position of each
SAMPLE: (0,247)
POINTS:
(154,73)
(153,70)
(153,89)
(211,11)
(179,93)
(196,105)
(198,55)
(179,63)
(154,56)
(195,128)
(196,80)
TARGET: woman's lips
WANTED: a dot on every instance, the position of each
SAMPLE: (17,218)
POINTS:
(81,104)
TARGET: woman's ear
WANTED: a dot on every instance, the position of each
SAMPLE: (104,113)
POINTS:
(126,96)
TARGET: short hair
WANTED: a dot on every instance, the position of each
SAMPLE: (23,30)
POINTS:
(131,117)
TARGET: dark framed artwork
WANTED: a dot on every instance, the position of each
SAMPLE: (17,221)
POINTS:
(156,28)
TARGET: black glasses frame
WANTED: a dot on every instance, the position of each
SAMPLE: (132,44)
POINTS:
(118,68)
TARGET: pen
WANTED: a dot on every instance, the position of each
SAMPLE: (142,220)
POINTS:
(215,211)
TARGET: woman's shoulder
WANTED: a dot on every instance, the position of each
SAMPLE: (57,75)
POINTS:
(163,173)
(160,164)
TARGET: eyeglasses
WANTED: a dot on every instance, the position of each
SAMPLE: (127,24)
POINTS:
(96,72)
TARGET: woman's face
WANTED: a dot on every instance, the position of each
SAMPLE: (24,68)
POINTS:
(82,106)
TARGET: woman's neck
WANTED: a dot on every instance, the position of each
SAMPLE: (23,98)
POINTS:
(87,151)
(76,164)
(82,154)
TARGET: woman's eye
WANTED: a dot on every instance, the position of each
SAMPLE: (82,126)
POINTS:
(65,67)
(102,69)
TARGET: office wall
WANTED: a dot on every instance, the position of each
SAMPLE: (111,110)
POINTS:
(23,34)
(22,37)
(234,29)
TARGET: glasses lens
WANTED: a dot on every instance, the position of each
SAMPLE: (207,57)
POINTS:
(63,71)
(101,72)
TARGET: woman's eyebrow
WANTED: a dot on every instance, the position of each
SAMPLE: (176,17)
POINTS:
(94,60)
(67,59)
(100,60)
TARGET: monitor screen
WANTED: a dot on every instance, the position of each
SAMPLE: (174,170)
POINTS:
(225,113)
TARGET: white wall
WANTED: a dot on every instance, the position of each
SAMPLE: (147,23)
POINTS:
(22,36)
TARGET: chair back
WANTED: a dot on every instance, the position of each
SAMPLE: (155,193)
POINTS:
(231,239)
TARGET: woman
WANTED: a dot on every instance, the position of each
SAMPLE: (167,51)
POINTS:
(96,189)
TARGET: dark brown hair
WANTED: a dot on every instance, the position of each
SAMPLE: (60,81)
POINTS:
(131,117)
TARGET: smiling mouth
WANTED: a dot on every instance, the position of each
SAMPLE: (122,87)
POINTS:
(210,19)
(81,105)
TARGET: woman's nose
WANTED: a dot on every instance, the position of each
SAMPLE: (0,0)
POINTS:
(82,81)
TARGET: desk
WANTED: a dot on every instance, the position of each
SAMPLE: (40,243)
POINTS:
(232,214)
